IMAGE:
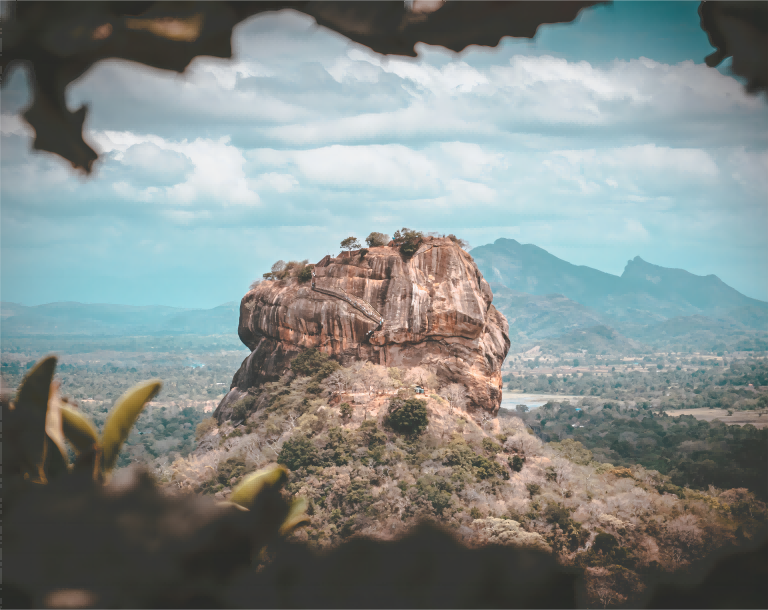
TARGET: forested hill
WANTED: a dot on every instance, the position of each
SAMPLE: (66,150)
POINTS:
(101,320)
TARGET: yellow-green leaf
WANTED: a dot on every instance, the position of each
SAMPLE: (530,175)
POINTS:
(251,486)
(78,429)
(296,516)
(32,406)
(237,506)
(55,435)
(122,417)
(56,461)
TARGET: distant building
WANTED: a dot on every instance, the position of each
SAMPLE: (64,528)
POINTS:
(418,389)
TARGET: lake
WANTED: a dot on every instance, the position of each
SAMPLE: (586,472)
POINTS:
(532,401)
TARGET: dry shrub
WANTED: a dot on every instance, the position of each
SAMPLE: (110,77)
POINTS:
(509,532)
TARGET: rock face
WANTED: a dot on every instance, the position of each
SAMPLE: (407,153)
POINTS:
(433,310)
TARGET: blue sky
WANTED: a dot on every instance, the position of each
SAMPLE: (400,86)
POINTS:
(598,141)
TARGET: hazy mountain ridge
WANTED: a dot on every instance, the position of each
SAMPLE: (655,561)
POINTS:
(101,319)
(642,287)
(546,298)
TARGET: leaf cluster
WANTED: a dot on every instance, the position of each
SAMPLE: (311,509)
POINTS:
(41,423)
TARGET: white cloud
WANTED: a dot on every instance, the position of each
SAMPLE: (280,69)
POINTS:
(382,167)
(147,162)
(304,127)
(217,175)
(282,183)
(226,72)
(14,124)
(653,158)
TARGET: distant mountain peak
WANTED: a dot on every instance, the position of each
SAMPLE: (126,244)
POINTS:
(644,290)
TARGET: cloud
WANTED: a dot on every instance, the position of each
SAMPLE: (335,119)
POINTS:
(305,137)
(149,164)
(379,167)
(204,169)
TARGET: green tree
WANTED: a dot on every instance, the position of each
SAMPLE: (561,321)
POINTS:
(462,243)
(313,362)
(516,463)
(346,410)
(298,453)
(242,408)
(490,446)
(305,274)
(375,239)
(408,417)
(408,240)
(350,243)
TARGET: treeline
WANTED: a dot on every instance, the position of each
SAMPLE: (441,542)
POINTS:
(675,388)
(691,452)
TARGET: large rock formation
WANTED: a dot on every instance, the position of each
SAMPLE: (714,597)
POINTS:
(433,309)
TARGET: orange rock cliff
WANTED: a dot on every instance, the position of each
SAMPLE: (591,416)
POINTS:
(432,310)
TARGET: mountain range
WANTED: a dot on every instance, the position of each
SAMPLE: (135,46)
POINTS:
(544,297)
(547,301)
(105,320)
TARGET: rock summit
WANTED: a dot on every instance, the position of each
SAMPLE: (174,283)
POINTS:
(432,309)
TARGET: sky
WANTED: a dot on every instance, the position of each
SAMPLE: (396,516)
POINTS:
(599,140)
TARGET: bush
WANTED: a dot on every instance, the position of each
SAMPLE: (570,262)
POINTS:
(298,453)
(282,270)
(516,463)
(533,489)
(242,408)
(313,362)
(204,427)
(557,513)
(409,417)
(437,490)
(363,252)
(346,410)
(375,240)
(372,436)
(605,543)
(230,470)
(339,449)
(305,274)
(408,240)
(462,243)
(462,457)
(490,446)
(485,468)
